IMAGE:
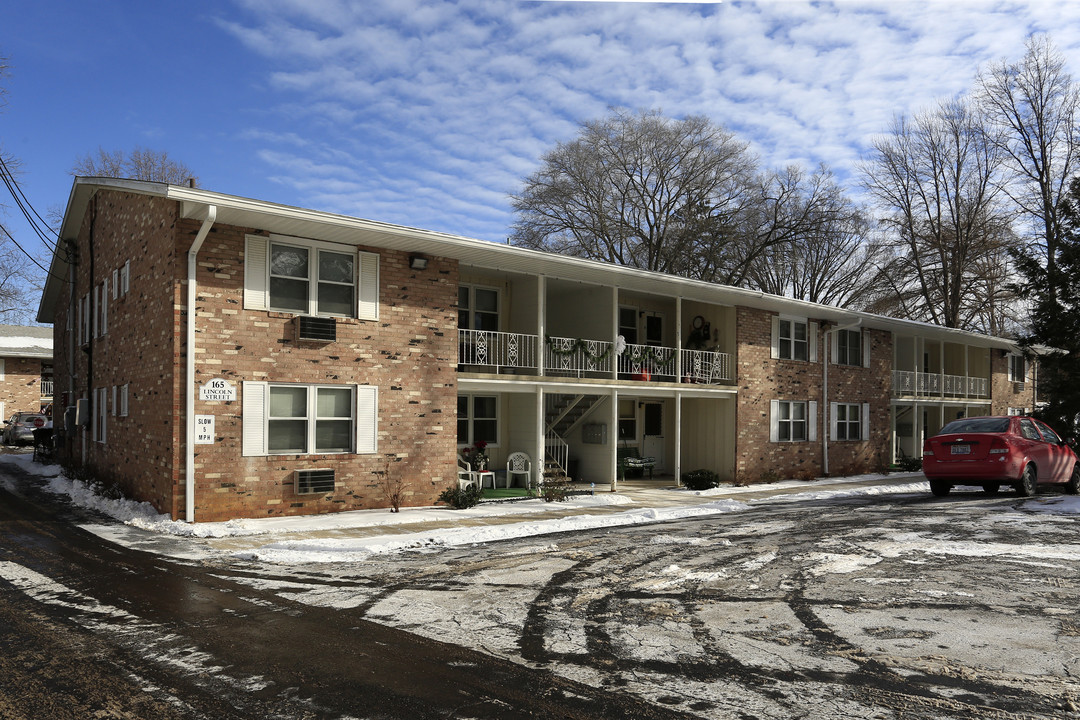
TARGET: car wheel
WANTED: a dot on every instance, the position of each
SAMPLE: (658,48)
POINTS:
(991,488)
(1072,487)
(940,488)
(1028,484)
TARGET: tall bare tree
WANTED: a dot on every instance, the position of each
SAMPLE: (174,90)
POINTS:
(936,180)
(827,260)
(640,190)
(1033,106)
(139,164)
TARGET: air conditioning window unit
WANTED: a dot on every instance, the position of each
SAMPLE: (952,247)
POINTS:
(316,329)
(310,482)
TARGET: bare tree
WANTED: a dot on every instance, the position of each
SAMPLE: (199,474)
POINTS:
(640,190)
(1033,107)
(936,180)
(140,164)
(827,260)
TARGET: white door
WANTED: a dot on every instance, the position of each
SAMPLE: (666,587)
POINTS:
(652,444)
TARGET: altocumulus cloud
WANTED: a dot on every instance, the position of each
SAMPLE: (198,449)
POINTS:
(430,113)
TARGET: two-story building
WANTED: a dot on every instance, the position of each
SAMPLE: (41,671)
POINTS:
(225,357)
(26,383)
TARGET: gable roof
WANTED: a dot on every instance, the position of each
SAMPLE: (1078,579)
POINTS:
(300,222)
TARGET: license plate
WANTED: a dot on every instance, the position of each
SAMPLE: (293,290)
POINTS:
(961,449)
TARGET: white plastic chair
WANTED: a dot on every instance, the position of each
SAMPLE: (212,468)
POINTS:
(466,476)
(518,464)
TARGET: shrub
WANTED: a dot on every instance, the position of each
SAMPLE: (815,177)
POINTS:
(554,489)
(700,479)
(910,464)
(770,476)
(460,499)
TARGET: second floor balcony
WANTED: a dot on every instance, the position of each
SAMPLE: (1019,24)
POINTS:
(939,385)
(497,352)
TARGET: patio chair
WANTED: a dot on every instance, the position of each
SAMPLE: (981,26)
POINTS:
(518,464)
(466,476)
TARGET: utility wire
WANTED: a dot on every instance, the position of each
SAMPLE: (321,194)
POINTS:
(32,217)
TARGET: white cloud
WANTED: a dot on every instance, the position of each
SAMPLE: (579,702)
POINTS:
(441,108)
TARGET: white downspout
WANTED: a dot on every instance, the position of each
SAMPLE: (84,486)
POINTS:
(825,419)
(189,409)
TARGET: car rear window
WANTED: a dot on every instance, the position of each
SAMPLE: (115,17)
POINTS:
(976,425)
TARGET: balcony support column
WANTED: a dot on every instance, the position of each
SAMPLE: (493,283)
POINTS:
(678,352)
(541,317)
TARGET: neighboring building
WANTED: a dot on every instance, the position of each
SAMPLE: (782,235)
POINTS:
(26,382)
(224,357)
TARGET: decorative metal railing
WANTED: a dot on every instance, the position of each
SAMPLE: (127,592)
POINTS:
(575,357)
(906,382)
(496,350)
(46,388)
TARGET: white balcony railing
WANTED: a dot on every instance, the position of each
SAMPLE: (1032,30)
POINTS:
(702,366)
(490,351)
(647,362)
(578,358)
(496,350)
(906,382)
(46,388)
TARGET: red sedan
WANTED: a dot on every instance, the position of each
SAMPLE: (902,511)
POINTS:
(994,451)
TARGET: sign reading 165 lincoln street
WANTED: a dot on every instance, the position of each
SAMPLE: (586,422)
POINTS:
(217,390)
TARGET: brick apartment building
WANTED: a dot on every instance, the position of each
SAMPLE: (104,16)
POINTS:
(225,357)
(25,369)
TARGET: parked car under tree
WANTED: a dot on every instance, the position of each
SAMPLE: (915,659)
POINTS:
(993,451)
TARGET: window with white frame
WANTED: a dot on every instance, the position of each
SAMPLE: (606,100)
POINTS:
(628,421)
(478,308)
(793,421)
(299,419)
(478,419)
(794,338)
(100,413)
(850,421)
(849,347)
(310,278)
(1017,368)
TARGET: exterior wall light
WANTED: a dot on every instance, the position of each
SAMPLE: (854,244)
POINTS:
(418,262)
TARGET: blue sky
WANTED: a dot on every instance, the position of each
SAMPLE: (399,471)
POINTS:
(430,113)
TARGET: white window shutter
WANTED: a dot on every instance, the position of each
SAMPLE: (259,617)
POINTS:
(367,419)
(94,305)
(2,371)
(865,349)
(832,421)
(254,418)
(126,278)
(105,306)
(775,337)
(865,421)
(115,283)
(812,336)
(811,419)
(256,273)
(834,338)
(774,420)
(368,292)
(114,406)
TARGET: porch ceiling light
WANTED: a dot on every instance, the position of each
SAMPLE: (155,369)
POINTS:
(418,262)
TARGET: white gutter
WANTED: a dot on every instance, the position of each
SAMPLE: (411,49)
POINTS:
(189,410)
(825,394)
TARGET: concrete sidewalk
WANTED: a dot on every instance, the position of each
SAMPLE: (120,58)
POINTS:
(635,495)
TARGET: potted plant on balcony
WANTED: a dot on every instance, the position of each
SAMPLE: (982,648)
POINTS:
(476,455)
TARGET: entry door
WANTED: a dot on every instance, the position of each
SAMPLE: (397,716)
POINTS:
(653,434)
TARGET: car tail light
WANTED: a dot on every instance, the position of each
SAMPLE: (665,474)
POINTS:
(998,446)
(926,449)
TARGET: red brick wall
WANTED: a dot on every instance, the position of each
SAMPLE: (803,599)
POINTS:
(762,379)
(139,454)
(410,353)
(20,390)
(1003,394)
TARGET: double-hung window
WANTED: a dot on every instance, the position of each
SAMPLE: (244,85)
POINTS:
(312,281)
(849,350)
(1017,368)
(310,278)
(478,419)
(298,419)
(794,338)
(478,308)
(792,421)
